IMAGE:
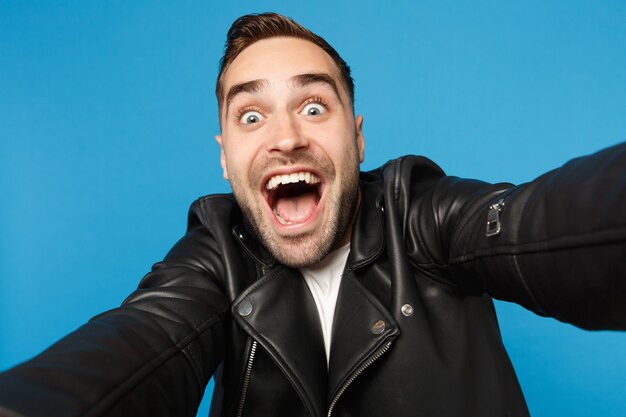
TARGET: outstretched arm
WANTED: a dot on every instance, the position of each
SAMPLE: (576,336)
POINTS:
(152,356)
(556,245)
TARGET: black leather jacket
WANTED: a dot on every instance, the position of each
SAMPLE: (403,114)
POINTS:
(415,332)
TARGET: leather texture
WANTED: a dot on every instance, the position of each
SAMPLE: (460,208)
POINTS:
(218,304)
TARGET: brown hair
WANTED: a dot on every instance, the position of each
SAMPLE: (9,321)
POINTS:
(251,28)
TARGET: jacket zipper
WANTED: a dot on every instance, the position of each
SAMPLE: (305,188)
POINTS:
(380,352)
(493,219)
(246,379)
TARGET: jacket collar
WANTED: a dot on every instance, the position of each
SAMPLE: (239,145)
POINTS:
(252,246)
(367,241)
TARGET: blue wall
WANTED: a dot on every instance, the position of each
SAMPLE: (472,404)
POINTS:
(107,119)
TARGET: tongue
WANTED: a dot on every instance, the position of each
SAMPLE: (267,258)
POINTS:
(296,208)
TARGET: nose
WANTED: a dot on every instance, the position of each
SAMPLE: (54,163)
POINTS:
(286,135)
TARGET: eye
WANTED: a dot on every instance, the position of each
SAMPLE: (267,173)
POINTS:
(313,109)
(250,117)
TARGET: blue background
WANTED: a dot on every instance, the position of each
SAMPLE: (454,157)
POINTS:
(107,117)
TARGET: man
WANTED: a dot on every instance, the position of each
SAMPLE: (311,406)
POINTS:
(317,290)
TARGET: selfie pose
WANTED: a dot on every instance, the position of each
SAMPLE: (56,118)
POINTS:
(315,289)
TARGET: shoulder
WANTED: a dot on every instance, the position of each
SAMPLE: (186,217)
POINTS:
(212,210)
(405,178)
(430,206)
(405,168)
(416,180)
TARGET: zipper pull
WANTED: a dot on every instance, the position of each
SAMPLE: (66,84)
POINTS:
(493,218)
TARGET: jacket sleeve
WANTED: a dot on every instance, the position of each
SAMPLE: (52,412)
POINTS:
(153,356)
(556,245)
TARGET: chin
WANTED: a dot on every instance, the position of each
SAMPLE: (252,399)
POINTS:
(302,252)
(298,250)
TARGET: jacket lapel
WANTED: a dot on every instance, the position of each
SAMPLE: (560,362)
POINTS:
(357,333)
(361,326)
(279,312)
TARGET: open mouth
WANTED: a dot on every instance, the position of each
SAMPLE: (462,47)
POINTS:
(293,197)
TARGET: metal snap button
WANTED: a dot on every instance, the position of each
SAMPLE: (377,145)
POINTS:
(378,327)
(244,308)
(407,310)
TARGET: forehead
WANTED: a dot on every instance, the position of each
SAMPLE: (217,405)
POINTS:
(278,59)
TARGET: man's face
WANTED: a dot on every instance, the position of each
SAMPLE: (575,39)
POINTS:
(291,148)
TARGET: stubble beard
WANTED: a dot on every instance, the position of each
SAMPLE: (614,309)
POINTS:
(308,248)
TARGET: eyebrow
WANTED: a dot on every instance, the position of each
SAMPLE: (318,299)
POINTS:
(245,87)
(302,80)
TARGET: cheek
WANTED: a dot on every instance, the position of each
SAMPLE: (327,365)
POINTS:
(238,157)
(342,150)
(335,138)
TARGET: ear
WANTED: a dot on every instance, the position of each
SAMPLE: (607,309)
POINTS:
(218,139)
(360,139)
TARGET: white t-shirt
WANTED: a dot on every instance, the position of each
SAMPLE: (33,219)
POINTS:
(323,280)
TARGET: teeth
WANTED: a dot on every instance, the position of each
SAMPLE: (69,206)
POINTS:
(295,177)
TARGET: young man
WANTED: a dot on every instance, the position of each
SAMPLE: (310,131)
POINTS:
(318,290)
